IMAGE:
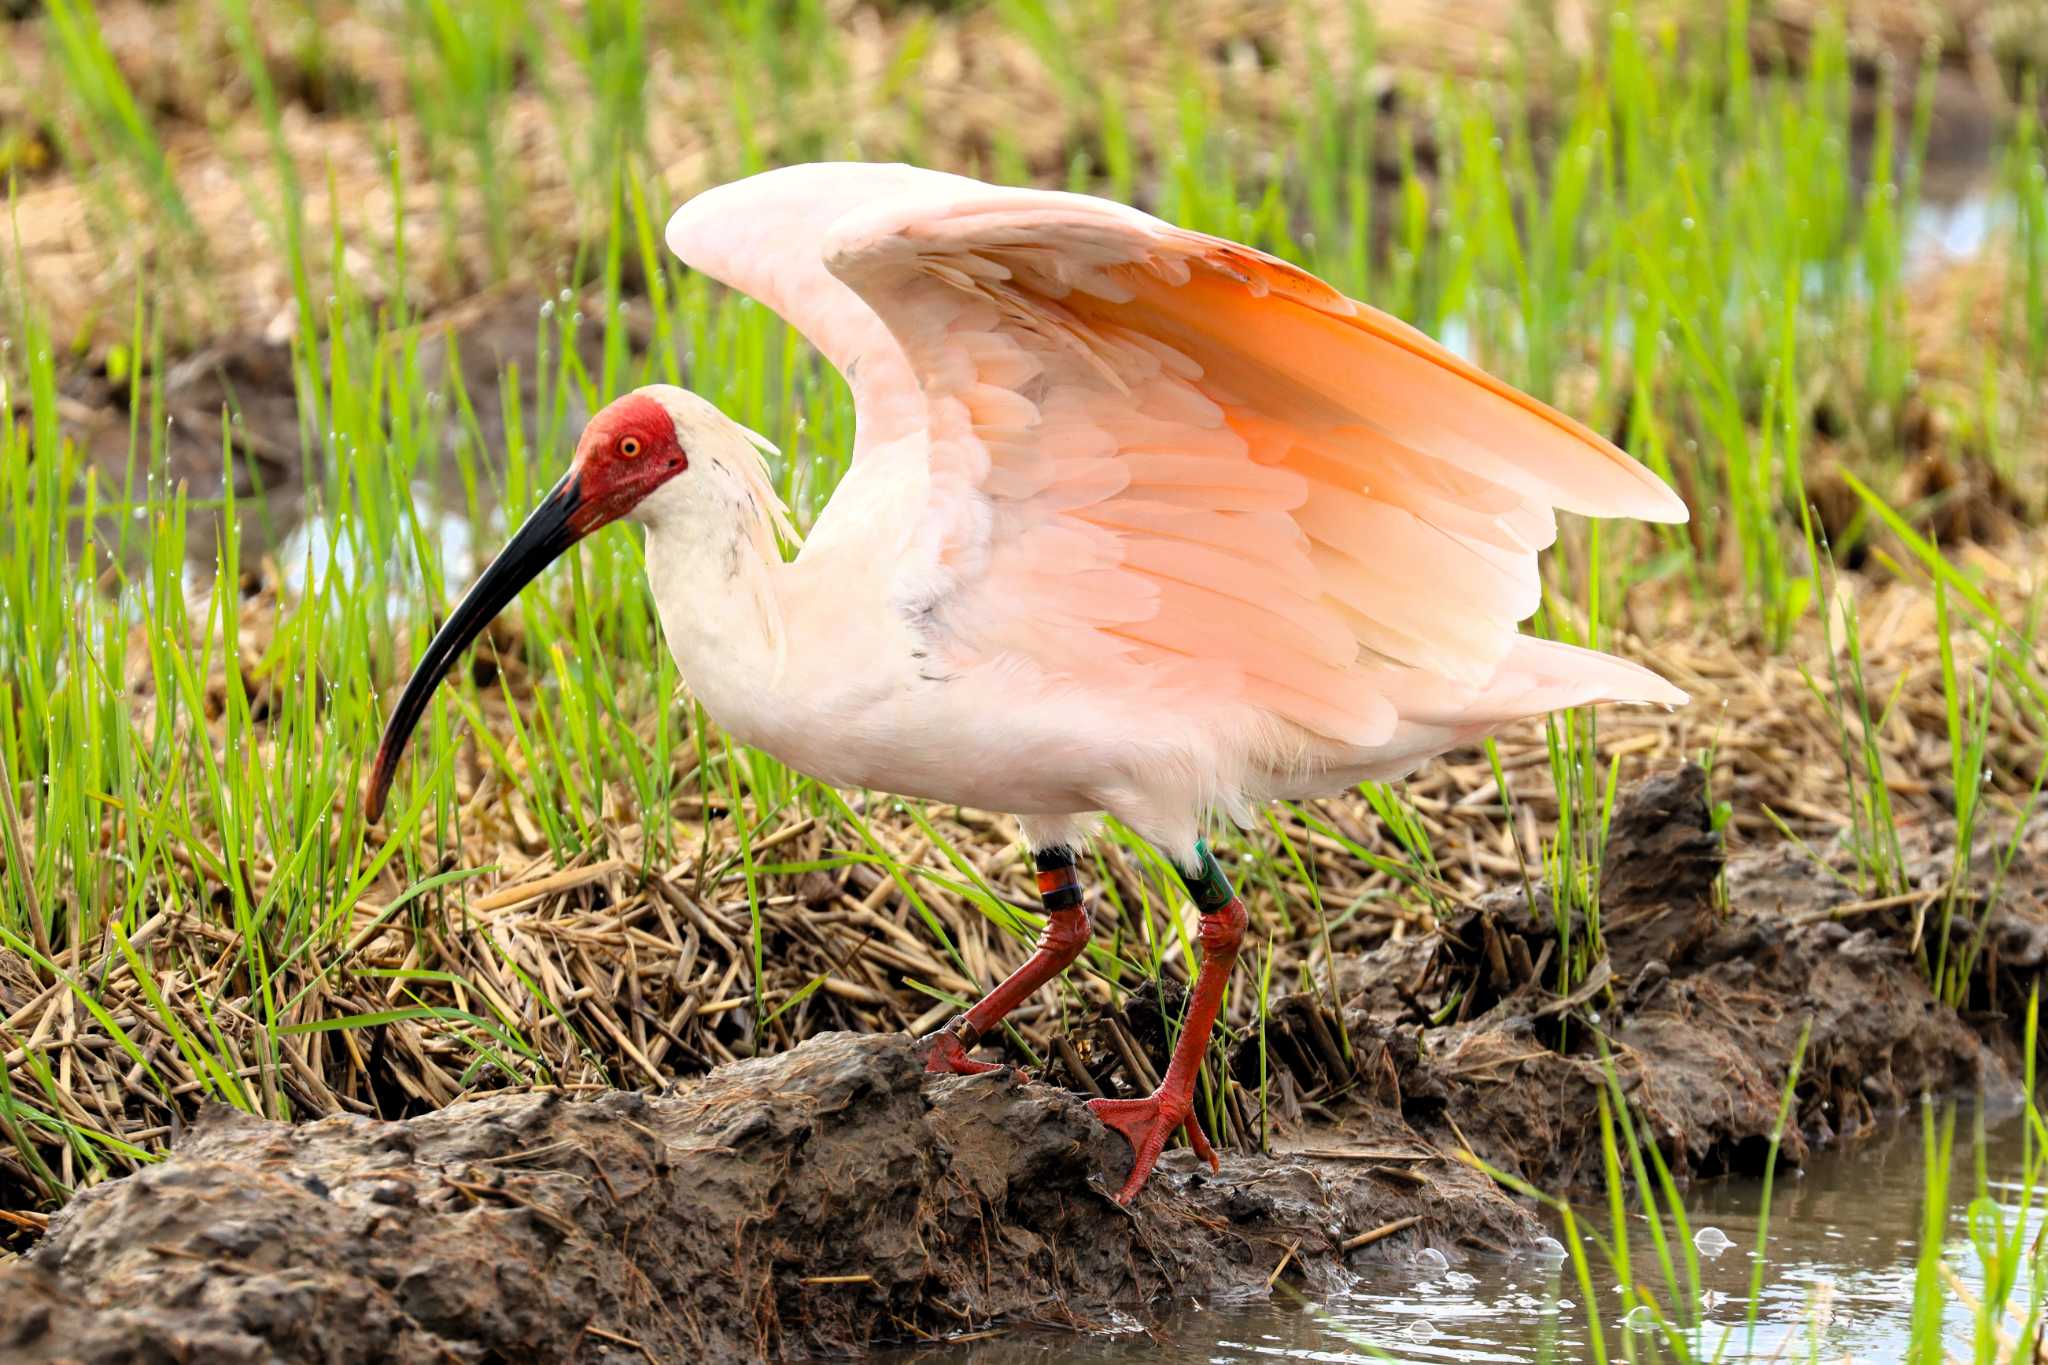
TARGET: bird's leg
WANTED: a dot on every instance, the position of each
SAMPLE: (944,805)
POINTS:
(1149,1122)
(1059,943)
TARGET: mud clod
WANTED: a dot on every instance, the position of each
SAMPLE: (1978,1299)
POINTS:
(801,1203)
(1697,1010)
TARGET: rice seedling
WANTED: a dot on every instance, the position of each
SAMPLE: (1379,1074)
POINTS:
(464,63)
(1872,838)
(2026,172)
(112,121)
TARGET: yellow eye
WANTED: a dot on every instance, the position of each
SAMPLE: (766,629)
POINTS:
(630,447)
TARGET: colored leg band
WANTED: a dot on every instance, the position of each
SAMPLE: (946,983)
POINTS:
(1060,889)
(1207,886)
(965,1029)
(1059,880)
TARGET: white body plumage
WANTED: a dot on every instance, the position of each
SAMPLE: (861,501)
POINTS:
(1139,521)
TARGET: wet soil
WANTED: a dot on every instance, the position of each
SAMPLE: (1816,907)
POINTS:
(834,1196)
(1699,1011)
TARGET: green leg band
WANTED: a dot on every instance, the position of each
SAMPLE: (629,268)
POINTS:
(1207,886)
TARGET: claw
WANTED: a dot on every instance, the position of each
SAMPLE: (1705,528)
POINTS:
(944,1053)
(1146,1124)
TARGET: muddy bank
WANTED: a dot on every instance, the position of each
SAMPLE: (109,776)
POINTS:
(833,1196)
(1700,1007)
(802,1203)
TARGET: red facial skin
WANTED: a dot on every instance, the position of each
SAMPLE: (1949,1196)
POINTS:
(628,450)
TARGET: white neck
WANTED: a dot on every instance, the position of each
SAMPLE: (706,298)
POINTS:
(715,586)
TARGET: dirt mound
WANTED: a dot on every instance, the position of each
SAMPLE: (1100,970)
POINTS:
(808,1202)
(1699,1010)
(835,1195)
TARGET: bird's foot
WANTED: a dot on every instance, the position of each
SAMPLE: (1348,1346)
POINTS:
(947,1055)
(1147,1124)
(945,1050)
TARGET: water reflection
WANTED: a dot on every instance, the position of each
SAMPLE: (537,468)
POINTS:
(1837,1273)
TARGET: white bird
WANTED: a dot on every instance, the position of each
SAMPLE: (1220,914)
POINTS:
(1139,521)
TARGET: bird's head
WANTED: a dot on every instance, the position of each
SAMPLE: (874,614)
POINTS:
(632,446)
(637,459)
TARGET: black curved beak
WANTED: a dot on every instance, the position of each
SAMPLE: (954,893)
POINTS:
(537,544)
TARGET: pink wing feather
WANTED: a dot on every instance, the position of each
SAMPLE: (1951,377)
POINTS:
(1157,449)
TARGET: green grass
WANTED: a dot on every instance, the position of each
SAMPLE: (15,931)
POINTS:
(1666,238)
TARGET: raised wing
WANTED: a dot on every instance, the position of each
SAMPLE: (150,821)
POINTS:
(1152,448)
(764,236)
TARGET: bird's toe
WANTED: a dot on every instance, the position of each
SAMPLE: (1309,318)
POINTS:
(944,1053)
(1147,1124)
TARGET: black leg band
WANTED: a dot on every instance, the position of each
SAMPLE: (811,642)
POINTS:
(1052,859)
(1059,881)
(1207,886)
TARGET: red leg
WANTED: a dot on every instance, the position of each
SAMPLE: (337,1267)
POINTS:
(1059,943)
(1148,1123)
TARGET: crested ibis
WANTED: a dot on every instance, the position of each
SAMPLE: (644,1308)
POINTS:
(1139,521)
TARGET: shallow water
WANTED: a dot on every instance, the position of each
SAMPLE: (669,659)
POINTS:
(1838,1264)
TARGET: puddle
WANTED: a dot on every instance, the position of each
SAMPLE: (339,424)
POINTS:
(318,548)
(278,517)
(1950,231)
(311,548)
(1839,1260)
